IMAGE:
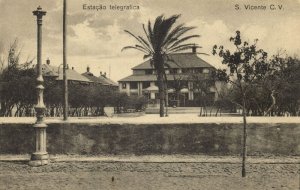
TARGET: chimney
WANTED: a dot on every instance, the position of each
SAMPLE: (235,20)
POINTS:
(72,68)
(48,61)
(100,73)
(88,69)
(105,74)
(194,49)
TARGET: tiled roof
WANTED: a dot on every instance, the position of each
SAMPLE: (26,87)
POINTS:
(93,78)
(101,79)
(141,78)
(179,60)
(108,81)
(49,70)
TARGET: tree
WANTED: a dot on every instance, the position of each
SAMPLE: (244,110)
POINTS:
(244,65)
(179,82)
(53,96)
(277,93)
(282,83)
(162,39)
(224,100)
(17,84)
(203,84)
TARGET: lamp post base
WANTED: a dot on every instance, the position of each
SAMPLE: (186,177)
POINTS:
(39,159)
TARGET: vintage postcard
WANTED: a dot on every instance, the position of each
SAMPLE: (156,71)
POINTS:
(150,94)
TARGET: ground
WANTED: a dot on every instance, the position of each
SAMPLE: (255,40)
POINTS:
(152,119)
(138,174)
(142,173)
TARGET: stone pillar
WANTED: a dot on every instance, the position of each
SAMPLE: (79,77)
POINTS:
(128,88)
(191,95)
(140,88)
(152,95)
(40,156)
(191,91)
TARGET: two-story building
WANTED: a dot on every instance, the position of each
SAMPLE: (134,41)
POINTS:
(182,68)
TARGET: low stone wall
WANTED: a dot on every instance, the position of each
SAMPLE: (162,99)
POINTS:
(143,139)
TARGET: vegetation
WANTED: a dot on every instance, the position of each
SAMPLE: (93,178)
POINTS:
(162,39)
(203,83)
(17,85)
(260,86)
(279,93)
(18,93)
(276,94)
(245,65)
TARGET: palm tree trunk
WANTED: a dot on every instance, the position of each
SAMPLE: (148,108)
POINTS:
(161,93)
(166,102)
(166,94)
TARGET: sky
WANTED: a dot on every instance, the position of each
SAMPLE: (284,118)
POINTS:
(95,38)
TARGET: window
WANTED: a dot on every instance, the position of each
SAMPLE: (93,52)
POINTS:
(187,70)
(190,85)
(123,85)
(138,72)
(148,71)
(173,71)
(146,84)
(198,70)
(133,85)
(205,71)
(184,70)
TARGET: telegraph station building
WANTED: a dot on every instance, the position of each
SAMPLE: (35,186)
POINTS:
(182,66)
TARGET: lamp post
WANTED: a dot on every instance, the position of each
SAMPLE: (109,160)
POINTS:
(65,78)
(40,156)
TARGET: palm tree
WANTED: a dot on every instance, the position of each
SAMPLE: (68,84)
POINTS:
(162,39)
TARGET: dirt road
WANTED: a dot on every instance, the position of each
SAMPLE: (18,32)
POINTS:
(138,176)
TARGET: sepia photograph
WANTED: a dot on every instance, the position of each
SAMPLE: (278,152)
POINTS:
(150,94)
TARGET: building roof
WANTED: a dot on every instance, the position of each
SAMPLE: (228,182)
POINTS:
(52,71)
(151,88)
(100,80)
(49,70)
(143,78)
(93,78)
(179,60)
(108,81)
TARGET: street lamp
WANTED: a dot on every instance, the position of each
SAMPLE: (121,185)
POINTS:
(65,78)
(40,156)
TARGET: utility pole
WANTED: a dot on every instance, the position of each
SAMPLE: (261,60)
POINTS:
(65,78)
(109,70)
(40,156)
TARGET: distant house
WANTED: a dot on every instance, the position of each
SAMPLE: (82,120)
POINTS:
(102,79)
(56,73)
(143,81)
